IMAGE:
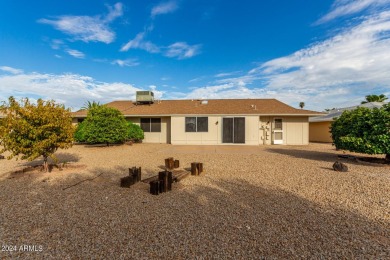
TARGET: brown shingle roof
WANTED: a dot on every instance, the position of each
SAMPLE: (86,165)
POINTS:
(213,107)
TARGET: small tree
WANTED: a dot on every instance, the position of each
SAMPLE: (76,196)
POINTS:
(363,130)
(374,98)
(89,105)
(104,125)
(134,132)
(301,105)
(33,130)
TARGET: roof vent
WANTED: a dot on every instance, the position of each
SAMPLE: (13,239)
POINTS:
(144,97)
(204,102)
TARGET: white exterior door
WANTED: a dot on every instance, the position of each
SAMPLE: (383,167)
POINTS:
(277,132)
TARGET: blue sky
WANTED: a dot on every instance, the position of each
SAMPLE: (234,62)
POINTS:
(324,53)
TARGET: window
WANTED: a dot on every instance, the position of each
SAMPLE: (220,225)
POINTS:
(197,124)
(278,124)
(151,124)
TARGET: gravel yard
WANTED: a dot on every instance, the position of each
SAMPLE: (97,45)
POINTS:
(277,202)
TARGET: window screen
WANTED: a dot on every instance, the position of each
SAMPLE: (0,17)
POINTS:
(197,124)
(155,125)
(278,124)
(151,124)
(190,124)
(202,124)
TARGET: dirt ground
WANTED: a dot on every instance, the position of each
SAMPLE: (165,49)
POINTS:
(251,202)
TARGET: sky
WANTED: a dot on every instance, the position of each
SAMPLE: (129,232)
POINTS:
(327,54)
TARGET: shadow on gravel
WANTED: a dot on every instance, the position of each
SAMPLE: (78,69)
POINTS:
(311,155)
(275,223)
(225,219)
(322,156)
(62,157)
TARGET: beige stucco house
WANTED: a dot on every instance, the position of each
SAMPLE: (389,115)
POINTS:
(319,127)
(217,121)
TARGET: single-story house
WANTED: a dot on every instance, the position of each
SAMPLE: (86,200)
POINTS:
(319,127)
(216,121)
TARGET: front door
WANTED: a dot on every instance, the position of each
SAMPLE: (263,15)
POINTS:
(278,131)
(233,130)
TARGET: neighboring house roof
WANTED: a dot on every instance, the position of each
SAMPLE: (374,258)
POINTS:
(334,113)
(206,107)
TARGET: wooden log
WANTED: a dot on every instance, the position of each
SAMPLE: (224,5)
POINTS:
(178,177)
(194,168)
(200,168)
(170,180)
(160,186)
(169,163)
(154,187)
(150,179)
(163,177)
(176,164)
(135,173)
(127,181)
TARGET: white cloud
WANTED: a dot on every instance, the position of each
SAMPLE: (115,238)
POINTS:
(56,44)
(164,8)
(347,7)
(126,63)
(157,93)
(179,50)
(226,74)
(87,28)
(182,50)
(71,89)
(139,43)
(358,56)
(11,70)
(337,72)
(114,12)
(76,53)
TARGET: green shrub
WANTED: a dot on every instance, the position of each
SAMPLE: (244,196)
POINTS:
(363,130)
(105,125)
(134,132)
(79,134)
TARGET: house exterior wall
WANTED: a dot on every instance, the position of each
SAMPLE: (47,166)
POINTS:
(295,130)
(258,130)
(155,137)
(319,132)
(214,134)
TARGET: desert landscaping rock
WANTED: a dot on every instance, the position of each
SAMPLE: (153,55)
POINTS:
(277,202)
(340,167)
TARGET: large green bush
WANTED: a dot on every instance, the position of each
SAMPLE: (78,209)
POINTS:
(104,125)
(134,132)
(363,130)
(79,134)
